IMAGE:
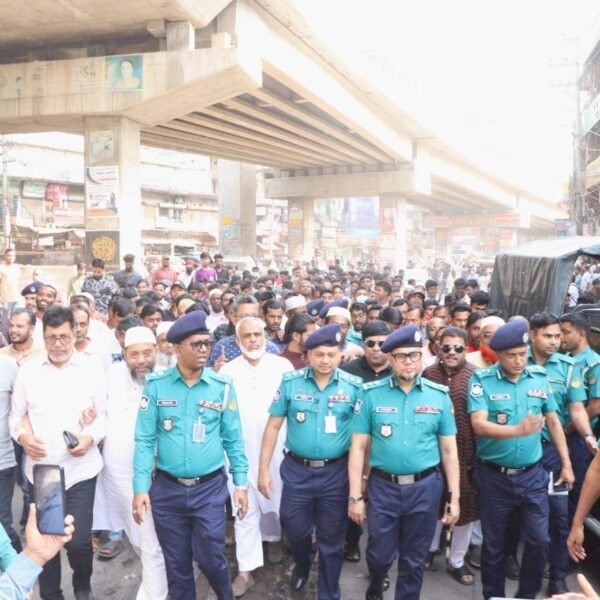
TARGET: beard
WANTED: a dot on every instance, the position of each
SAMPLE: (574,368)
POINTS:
(139,378)
(410,377)
(488,354)
(254,354)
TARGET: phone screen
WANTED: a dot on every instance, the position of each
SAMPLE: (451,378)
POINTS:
(49,494)
(562,489)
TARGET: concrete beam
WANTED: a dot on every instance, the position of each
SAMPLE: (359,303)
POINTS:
(180,36)
(402,181)
(170,84)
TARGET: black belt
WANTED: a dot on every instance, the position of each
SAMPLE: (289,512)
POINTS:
(403,479)
(190,481)
(508,470)
(315,464)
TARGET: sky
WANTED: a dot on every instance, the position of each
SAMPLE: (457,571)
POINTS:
(488,77)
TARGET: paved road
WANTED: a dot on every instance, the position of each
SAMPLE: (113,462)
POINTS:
(119,579)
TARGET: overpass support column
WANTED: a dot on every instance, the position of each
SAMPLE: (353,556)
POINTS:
(301,229)
(392,220)
(236,194)
(113,199)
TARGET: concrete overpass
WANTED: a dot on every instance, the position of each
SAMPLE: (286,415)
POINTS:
(245,81)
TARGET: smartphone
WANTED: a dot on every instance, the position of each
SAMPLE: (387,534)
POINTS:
(70,440)
(50,498)
(557,490)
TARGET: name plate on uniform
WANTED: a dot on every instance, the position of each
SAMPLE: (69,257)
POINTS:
(388,410)
(499,396)
(166,403)
(304,397)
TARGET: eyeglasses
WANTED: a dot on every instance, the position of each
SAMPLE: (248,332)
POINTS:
(403,357)
(447,347)
(373,343)
(196,346)
(63,340)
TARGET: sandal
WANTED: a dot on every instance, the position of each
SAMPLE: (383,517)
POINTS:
(110,549)
(463,574)
(430,562)
(351,552)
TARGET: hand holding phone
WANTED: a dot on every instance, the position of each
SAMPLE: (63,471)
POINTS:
(70,440)
(50,498)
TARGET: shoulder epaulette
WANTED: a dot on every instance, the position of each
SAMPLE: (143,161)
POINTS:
(353,379)
(154,376)
(537,369)
(375,384)
(567,359)
(484,372)
(294,374)
(436,386)
(221,377)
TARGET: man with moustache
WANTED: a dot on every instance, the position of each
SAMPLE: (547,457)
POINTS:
(114,495)
(20,331)
(485,356)
(256,376)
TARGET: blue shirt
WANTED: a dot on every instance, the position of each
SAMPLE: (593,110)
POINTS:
(7,552)
(19,578)
(404,428)
(232,350)
(190,427)
(308,410)
(508,402)
(589,361)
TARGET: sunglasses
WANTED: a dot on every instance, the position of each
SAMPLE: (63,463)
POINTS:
(447,347)
(373,343)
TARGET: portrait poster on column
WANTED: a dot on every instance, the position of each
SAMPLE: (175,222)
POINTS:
(101,191)
(125,73)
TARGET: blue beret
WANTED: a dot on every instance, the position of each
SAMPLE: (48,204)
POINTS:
(194,322)
(314,306)
(32,288)
(407,336)
(513,334)
(342,303)
(329,335)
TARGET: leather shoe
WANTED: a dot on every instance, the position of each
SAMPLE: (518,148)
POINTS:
(557,586)
(83,595)
(299,578)
(373,594)
(512,569)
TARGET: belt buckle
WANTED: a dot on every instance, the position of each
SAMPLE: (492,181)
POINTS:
(187,482)
(404,479)
(316,463)
(510,471)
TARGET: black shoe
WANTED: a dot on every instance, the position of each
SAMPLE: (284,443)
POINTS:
(386,583)
(83,595)
(512,568)
(373,594)
(557,586)
(299,578)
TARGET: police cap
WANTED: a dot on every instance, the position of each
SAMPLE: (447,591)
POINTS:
(190,324)
(513,334)
(340,303)
(31,288)
(407,336)
(314,306)
(329,335)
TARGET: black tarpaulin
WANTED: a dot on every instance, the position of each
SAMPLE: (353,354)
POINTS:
(536,276)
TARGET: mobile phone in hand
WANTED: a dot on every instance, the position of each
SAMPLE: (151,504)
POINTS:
(70,440)
(50,498)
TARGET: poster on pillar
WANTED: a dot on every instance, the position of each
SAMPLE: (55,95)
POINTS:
(101,191)
(104,245)
(125,73)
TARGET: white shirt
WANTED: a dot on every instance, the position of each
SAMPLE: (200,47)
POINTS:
(215,319)
(55,398)
(10,276)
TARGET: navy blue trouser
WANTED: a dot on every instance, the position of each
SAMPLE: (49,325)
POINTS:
(8,478)
(402,521)
(190,524)
(581,458)
(499,496)
(316,499)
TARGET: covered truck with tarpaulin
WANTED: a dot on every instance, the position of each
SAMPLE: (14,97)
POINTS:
(536,275)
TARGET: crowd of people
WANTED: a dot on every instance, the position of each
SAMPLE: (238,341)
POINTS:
(297,405)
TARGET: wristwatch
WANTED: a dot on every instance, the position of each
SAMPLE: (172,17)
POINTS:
(354,499)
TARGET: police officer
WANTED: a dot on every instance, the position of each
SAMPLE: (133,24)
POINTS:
(568,390)
(318,402)
(410,424)
(507,403)
(190,414)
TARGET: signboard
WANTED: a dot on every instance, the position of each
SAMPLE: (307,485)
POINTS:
(125,73)
(104,245)
(101,191)
(69,216)
(57,194)
(34,189)
(521,219)
(590,115)
(592,174)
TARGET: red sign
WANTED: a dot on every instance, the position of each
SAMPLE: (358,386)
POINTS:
(57,193)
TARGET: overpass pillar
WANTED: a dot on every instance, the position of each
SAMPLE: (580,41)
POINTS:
(236,194)
(392,220)
(113,199)
(301,229)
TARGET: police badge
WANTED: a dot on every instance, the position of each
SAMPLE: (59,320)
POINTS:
(386,431)
(300,416)
(168,424)
(502,418)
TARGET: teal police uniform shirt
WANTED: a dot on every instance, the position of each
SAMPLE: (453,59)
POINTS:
(566,384)
(354,337)
(190,427)
(404,428)
(589,361)
(311,431)
(508,403)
